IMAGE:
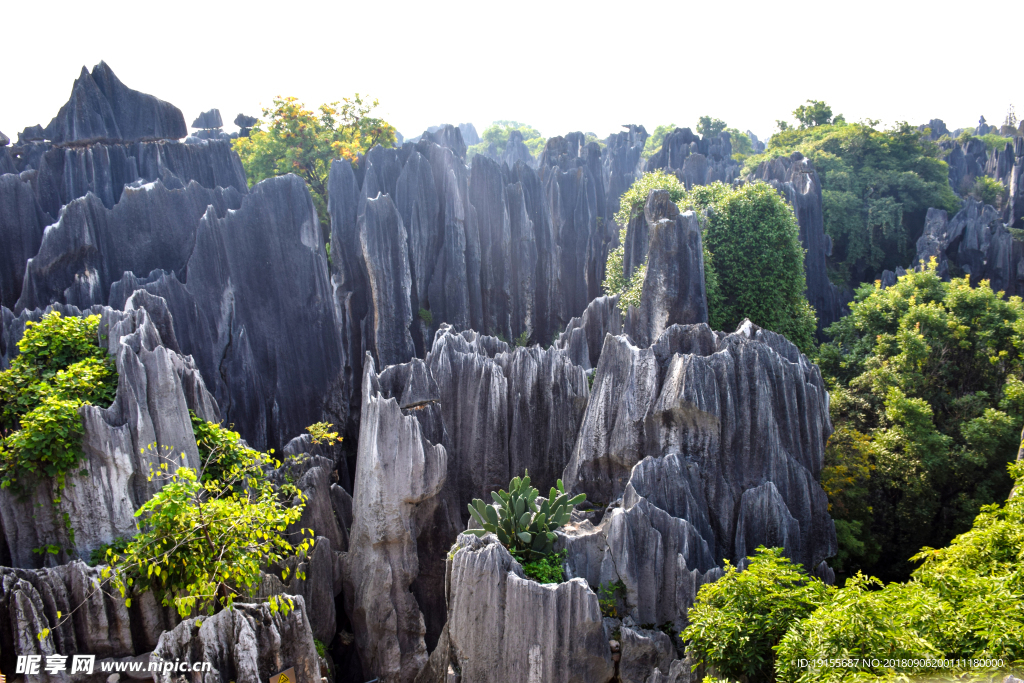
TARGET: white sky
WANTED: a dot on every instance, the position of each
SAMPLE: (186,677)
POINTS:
(557,65)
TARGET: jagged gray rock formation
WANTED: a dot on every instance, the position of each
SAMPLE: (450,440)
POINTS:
(583,337)
(248,643)
(796,178)
(503,626)
(644,650)
(157,386)
(101,107)
(682,396)
(622,163)
(966,161)
(505,410)
(517,151)
(1013,214)
(696,160)
(21,232)
(275,367)
(974,242)
(68,172)
(400,474)
(673,289)
(91,621)
(91,246)
(209,120)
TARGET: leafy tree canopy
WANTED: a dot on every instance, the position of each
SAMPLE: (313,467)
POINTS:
(710,127)
(497,134)
(814,113)
(292,139)
(877,187)
(205,536)
(736,621)
(927,386)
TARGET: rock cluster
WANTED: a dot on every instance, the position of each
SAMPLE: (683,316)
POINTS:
(973,242)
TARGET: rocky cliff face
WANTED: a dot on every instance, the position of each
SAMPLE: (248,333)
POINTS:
(974,242)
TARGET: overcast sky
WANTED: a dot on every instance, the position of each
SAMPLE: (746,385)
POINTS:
(559,66)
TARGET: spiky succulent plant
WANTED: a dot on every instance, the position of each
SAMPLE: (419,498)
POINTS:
(522,526)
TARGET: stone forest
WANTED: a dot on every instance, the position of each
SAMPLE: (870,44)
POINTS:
(660,407)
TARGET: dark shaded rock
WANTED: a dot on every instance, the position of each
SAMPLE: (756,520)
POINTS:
(91,246)
(747,408)
(516,150)
(673,289)
(448,136)
(622,163)
(798,181)
(385,250)
(643,651)
(966,161)
(1013,214)
(67,173)
(209,119)
(584,336)
(243,121)
(31,134)
(696,160)
(103,108)
(21,232)
(4,140)
(974,242)
(936,129)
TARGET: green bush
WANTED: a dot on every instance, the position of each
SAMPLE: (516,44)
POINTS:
(736,622)
(632,201)
(656,139)
(547,569)
(60,367)
(966,601)
(989,191)
(207,533)
(758,261)
(927,398)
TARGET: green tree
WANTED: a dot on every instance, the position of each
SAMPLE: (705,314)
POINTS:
(877,187)
(736,622)
(657,139)
(814,113)
(207,533)
(709,127)
(497,134)
(927,385)
(965,601)
(741,144)
(293,139)
(754,240)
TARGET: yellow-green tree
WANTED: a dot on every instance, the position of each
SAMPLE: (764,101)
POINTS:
(293,139)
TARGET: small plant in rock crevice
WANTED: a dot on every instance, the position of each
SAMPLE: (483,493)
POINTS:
(522,526)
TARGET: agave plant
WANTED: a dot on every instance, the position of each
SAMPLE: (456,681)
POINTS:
(526,529)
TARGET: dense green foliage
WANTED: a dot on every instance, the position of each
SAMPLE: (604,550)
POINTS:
(814,113)
(522,526)
(205,535)
(60,367)
(754,241)
(546,569)
(753,259)
(736,621)
(709,127)
(962,603)
(989,191)
(928,402)
(877,187)
(742,145)
(497,134)
(293,139)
